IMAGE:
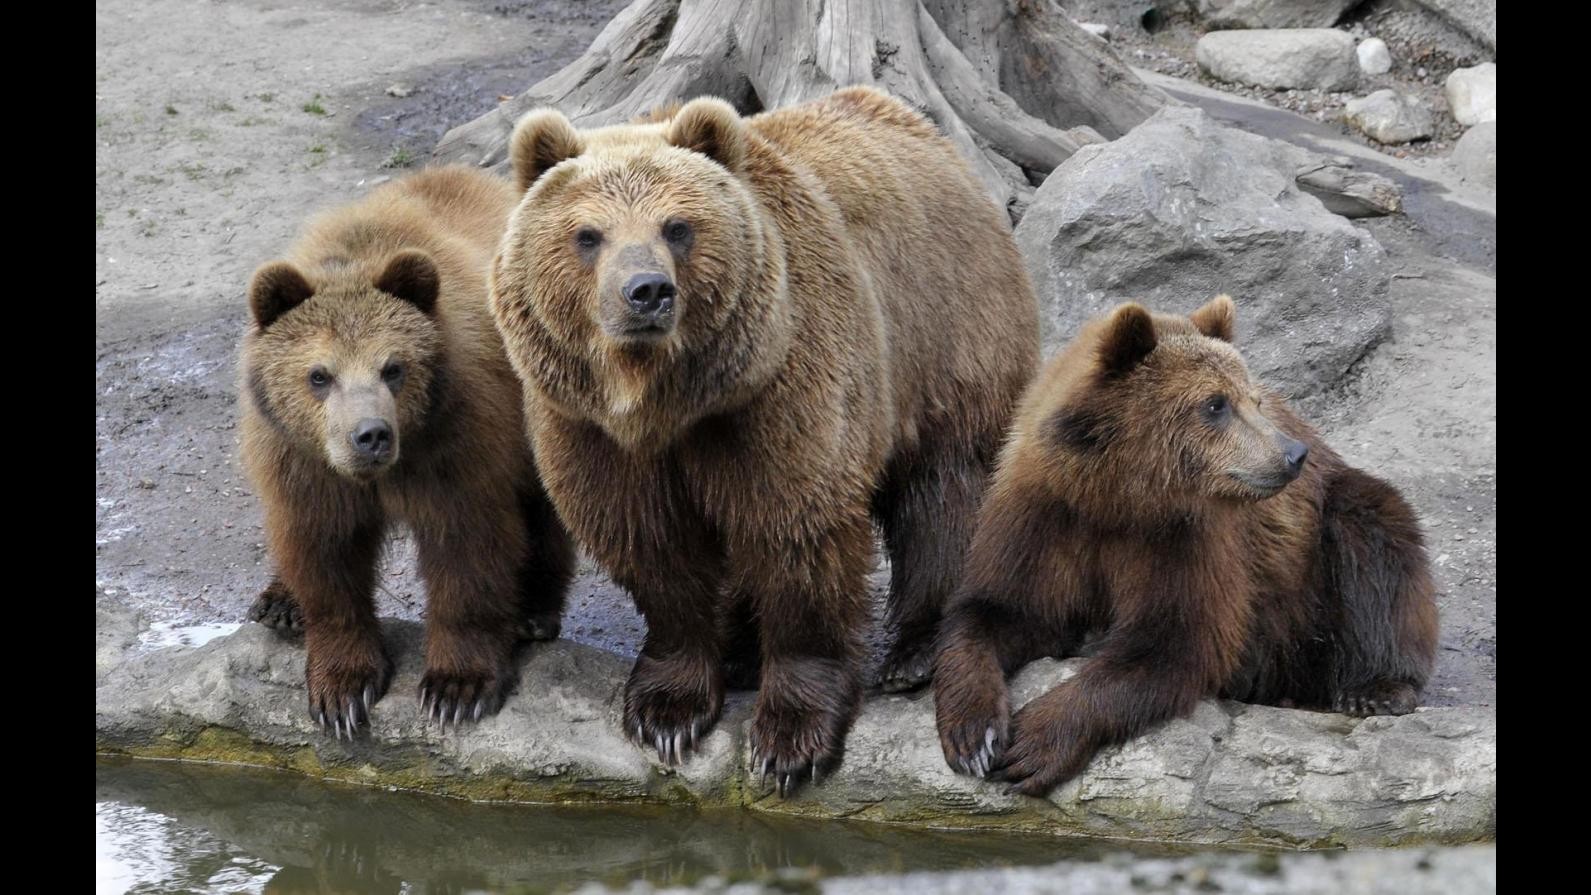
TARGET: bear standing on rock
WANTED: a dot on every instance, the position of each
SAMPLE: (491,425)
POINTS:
(746,340)
(1153,495)
(375,389)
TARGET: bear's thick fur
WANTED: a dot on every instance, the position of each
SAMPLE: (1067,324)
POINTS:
(748,339)
(375,389)
(1153,496)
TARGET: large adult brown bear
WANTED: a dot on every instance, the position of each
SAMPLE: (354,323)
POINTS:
(376,390)
(1156,497)
(746,339)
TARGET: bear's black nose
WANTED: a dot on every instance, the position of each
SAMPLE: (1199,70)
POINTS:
(1295,455)
(373,438)
(650,293)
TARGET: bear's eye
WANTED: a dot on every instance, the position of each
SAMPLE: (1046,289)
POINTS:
(392,374)
(319,378)
(588,238)
(1216,408)
(677,231)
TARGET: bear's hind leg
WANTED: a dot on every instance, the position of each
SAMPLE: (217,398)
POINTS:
(741,643)
(548,568)
(927,508)
(1374,566)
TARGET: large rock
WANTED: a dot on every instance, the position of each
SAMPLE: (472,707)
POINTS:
(1388,116)
(1475,154)
(1472,93)
(1282,58)
(1229,774)
(1475,18)
(1183,208)
(1272,13)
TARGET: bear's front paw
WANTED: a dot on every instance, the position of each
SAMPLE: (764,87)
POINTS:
(909,665)
(670,703)
(449,696)
(1380,698)
(974,727)
(344,685)
(276,609)
(1043,753)
(804,711)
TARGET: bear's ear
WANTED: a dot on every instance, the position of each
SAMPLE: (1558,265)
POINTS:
(1216,319)
(712,127)
(276,288)
(413,277)
(1129,337)
(542,139)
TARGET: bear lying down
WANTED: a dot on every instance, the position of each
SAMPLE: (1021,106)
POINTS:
(1155,497)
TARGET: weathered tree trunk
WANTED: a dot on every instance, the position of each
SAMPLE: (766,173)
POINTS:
(1014,83)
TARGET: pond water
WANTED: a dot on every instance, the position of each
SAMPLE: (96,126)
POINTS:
(178,827)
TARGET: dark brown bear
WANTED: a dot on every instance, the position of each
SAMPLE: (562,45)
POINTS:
(376,390)
(1153,496)
(748,339)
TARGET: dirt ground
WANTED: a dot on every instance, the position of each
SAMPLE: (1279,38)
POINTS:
(219,127)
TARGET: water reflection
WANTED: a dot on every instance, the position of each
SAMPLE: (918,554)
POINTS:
(163,827)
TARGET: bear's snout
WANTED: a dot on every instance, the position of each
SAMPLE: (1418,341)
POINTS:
(1294,453)
(372,439)
(649,295)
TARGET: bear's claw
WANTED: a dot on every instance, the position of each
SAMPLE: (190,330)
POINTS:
(459,697)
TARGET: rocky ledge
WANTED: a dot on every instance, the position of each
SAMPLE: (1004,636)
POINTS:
(1230,774)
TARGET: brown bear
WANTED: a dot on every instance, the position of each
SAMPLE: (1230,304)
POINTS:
(375,389)
(746,340)
(1154,497)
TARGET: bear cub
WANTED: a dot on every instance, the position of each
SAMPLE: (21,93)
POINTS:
(1153,496)
(376,390)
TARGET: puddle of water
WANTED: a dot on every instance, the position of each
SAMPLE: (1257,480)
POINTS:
(168,826)
(162,635)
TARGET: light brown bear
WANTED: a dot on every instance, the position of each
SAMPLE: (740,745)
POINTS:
(375,390)
(748,339)
(1154,496)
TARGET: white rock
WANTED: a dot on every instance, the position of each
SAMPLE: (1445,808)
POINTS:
(1387,116)
(1100,31)
(1472,93)
(1374,58)
(1282,58)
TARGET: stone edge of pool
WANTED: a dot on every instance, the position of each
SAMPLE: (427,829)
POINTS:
(1231,774)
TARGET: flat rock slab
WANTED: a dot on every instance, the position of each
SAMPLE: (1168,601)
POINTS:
(1281,58)
(1230,774)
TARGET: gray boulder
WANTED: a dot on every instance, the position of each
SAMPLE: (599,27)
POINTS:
(1231,773)
(1475,155)
(1183,208)
(1281,58)
(1272,13)
(1475,18)
(1472,93)
(1388,116)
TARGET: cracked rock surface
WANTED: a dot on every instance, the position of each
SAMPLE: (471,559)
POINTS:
(1230,774)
